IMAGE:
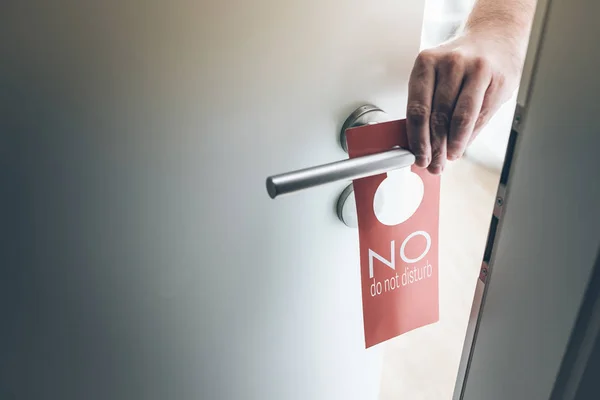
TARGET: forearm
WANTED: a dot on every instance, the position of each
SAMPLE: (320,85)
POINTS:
(506,20)
(501,14)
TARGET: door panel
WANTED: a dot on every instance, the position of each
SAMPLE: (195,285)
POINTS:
(148,261)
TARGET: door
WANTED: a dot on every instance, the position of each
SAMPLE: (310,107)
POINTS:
(536,314)
(146,260)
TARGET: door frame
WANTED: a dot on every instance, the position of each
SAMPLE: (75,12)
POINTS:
(535,318)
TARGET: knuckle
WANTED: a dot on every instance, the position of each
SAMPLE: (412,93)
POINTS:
(417,113)
(462,120)
(498,81)
(483,114)
(452,60)
(482,118)
(426,58)
(437,142)
(481,65)
(440,119)
(420,148)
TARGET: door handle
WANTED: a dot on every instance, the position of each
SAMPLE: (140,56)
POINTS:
(348,169)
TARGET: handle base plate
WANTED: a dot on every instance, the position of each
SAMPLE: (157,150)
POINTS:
(366,114)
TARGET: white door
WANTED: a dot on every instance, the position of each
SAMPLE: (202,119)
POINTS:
(148,260)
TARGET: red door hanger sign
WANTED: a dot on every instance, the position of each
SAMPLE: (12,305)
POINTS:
(398,225)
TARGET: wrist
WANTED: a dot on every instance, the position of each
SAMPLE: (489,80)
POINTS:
(498,21)
(508,39)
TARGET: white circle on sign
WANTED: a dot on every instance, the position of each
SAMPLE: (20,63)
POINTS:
(398,197)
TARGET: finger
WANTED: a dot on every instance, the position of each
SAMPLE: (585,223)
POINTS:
(467,112)
(495,97)
(449,78)
(438,161)
(420,93)
(491,103)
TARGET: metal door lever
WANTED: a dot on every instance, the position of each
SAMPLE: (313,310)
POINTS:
(350,169)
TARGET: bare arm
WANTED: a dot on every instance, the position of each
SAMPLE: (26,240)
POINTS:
(511,18)
(455,88)
(514,14)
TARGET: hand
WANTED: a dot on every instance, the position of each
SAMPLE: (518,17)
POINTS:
(454,90)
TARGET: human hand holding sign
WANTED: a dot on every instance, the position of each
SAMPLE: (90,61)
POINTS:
(455,88)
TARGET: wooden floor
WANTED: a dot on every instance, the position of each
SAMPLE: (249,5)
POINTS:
(423,364)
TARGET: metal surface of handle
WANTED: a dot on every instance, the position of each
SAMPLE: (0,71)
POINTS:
(350,169)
